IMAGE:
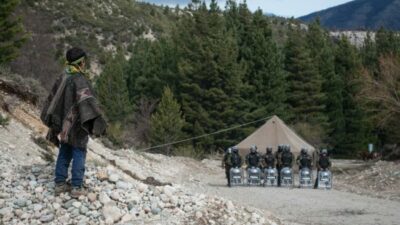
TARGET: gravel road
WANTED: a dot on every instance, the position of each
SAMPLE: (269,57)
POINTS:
(301,206)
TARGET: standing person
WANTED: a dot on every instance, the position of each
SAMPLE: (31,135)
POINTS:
(71,113)
(236,158)
(227,164)
(304,159)
(287,157)
(323,163)
(269,158)
(253,158)
(278,158)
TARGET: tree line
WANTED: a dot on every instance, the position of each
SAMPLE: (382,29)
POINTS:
(220,68)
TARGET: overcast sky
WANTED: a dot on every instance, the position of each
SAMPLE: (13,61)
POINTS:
(286,8)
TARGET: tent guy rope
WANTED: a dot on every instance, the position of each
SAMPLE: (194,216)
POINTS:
(204,135)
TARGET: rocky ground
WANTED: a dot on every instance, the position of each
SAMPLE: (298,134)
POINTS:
(378,179)
(115,196)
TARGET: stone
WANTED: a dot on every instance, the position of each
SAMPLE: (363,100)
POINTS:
(113,178)
(169,190)
(39,189)
(18,212)
(229,206)
(102,175)
(127,217)
(25,216)
(36,170)
(75,212)
(103,198)
(83,210)
(32,183)
(123,185)
(92,197)
(4,195)
(187,208)
(7,211)
(115,196)
(46,218)
(155,210)
(199,215)
(146,209)
(37,207)
(111,213)
(56,205)
(69,203)
(142,187)
(21,202)
(76,204)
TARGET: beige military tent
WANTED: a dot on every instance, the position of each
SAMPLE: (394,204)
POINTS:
(273,133)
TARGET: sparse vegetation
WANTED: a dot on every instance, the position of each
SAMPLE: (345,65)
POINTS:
(4,120)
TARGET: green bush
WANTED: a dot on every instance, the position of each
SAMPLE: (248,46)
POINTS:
(115,133)
(4,120)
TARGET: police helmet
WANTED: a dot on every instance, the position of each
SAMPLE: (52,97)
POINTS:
(235,149)
(253,149)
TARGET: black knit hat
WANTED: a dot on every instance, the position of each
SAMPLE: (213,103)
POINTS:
(74,54)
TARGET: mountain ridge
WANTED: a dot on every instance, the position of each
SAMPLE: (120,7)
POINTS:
(359,15)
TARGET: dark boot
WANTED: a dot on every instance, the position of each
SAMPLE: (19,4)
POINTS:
(62,188)
(76,192)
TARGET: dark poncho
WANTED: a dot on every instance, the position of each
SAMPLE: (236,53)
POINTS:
(71,111)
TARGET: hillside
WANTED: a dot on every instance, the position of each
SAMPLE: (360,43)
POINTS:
(124,187)
(360,14)
(100,27)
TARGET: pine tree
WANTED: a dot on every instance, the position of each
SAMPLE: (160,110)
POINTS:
(112,90)
(265,76)
(369,54)
(305,96)
(153,66)
(322,54)
(12,34)
(348,66)
(387,42)
(167,122)
(210,84)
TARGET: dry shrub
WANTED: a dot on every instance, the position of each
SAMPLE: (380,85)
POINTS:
(141,121)
(382,95)
(189,151)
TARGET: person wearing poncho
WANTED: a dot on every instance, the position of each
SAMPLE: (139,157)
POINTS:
(72,114)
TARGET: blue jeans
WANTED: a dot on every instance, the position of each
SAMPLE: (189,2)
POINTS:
(78,157)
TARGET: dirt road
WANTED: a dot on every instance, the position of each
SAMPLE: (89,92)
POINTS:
(301,206)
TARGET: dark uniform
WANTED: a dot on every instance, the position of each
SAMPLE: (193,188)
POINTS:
(323,163)
(269,159)
(304,160)
(278,156)
(236,159)
(287,157)
(253,159)
(227,164)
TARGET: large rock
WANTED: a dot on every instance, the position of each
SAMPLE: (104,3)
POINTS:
(113,178)
(112,213)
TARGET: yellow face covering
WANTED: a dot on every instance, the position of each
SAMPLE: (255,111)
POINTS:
(74,68)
